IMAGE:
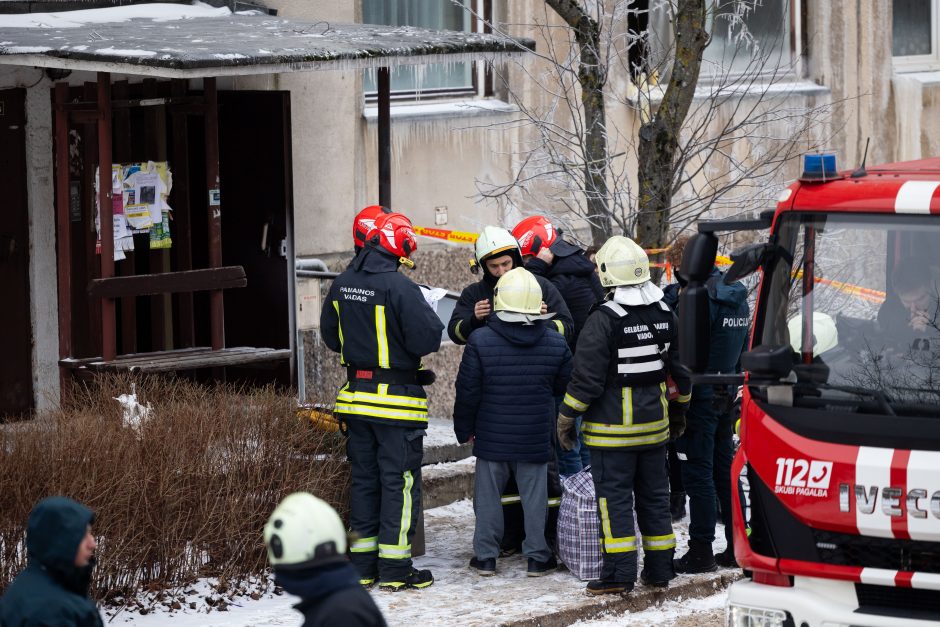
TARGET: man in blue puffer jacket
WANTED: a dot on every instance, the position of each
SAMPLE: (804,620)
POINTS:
(511,372)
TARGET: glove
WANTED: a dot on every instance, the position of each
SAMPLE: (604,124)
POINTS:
(676,419)
(425,376)
(567,433)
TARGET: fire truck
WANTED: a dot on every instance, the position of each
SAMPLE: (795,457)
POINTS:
(840,411)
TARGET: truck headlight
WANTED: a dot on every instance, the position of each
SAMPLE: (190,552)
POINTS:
(747,616)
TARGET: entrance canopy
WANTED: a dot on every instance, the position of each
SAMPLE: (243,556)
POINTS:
(182,41)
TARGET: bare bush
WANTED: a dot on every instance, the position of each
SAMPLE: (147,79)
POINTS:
(184,496)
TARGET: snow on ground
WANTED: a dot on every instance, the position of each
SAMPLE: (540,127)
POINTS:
(458,595)
(707,612)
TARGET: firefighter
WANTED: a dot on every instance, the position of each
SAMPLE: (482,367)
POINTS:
(496,252)
(547,254)
(625,352)
(306,545)
(706,449)
(381,325)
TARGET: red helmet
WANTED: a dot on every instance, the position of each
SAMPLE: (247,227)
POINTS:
(395,234)
(363,222)
(533,233)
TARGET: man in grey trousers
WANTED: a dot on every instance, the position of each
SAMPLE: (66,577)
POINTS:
(512,370)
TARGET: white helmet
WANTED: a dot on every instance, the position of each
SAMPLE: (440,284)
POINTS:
(304,531)
(518,291)
(825,334)
(493,240)
(621,261)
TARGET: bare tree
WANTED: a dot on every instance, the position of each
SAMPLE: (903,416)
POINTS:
(632,132)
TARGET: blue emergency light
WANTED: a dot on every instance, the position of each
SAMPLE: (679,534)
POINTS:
(819,167)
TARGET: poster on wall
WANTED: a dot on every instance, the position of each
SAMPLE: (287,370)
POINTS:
(140,192)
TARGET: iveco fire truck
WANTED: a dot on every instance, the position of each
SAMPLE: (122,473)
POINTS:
(840,414)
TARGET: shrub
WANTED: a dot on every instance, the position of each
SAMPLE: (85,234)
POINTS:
(184,496)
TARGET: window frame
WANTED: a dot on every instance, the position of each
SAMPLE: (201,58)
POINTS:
(921,62)
(481,74)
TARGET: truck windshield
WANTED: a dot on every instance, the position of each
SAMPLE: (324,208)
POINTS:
(857,297)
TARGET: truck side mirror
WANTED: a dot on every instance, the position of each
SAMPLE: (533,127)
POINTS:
(748,260)
(698,259)
(694,327)
(765,361)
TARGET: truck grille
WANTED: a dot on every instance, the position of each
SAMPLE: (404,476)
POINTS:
(891,554)
(907,602)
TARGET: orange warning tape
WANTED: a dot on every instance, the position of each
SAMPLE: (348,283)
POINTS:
(460,237)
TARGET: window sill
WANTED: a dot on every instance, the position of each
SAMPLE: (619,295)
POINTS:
(705,91)
(923,76)
(439,110)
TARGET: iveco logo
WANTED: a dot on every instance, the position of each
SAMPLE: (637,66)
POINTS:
(866,499)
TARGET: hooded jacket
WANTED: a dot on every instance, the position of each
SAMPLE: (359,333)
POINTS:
(331,595)
(573,275)
(51,591)
(509,377)
(377,318)
(463,322)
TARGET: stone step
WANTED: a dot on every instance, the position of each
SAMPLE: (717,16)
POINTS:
(440,444)
(447,482)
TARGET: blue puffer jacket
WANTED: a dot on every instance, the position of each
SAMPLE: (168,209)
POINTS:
(509,377)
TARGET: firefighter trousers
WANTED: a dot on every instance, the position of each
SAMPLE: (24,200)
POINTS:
(385,466)
(622,477)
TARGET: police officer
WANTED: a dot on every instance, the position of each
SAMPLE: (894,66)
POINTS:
(381,325)
(625,352)
(706,450)
(496,252)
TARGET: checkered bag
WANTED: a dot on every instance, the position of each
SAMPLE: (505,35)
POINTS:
(578,544)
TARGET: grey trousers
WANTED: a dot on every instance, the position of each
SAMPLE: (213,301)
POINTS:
(489,482)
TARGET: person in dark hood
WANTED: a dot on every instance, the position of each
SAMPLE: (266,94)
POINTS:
(306,544)
(509,375)
(547,254)
(53,588)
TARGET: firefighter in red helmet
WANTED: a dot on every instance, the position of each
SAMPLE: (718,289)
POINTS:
(364,222)
(380,324)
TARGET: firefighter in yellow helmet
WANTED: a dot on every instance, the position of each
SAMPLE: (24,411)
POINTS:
(625,352)
(306,544)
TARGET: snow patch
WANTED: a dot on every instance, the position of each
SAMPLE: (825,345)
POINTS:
(229,56)
(127,53)
(158,12)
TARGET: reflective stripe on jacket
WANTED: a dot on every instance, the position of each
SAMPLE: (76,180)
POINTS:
(618,381)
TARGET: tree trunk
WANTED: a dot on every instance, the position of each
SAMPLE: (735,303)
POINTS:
(659,138)
(592,76)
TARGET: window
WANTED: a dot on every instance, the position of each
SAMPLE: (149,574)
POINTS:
(914,34)
(439,79)
(762,45)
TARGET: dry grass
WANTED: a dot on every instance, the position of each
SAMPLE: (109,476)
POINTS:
(184,497)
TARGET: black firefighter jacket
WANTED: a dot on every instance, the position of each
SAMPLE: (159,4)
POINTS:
(463,322)
(623,399)
(377,319)
(577,282)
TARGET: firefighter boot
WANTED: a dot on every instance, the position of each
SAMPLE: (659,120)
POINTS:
(416,579)
(726,559)
(698,559)
(677,505)
(608,586)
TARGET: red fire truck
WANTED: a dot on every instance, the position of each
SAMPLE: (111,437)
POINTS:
(840,414)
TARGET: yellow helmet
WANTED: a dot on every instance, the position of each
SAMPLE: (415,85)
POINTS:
(304,531)
(518,291)
(825,333)
(621,261)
